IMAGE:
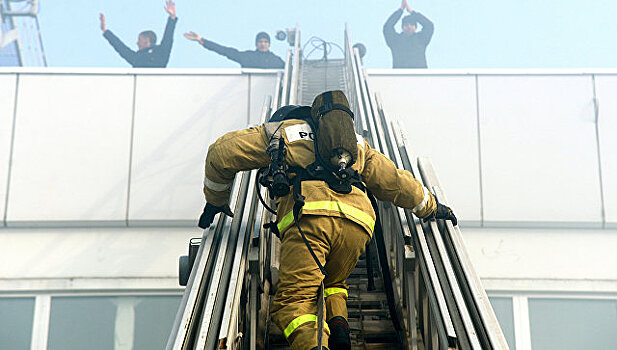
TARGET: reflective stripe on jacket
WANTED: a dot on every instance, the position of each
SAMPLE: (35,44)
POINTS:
(246,149)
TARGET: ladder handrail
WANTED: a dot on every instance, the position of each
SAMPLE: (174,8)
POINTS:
(295,71)
(446,332)
(476,296)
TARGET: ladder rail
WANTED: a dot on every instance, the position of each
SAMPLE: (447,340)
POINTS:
(477,300)
(453,296)
(295,72)
(229,333)
(209,327)
(195,300)
(189,304)
(444,324)
(286,78)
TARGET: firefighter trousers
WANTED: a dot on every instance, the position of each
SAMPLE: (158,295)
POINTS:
(337,243)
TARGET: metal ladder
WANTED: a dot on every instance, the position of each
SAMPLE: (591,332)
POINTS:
(427,294)
(368,316)
(318,76)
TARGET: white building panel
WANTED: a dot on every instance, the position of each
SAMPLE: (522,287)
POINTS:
(262,85)
(440,118)
(557,259)
(90,253)
(71,151)
(539,154)
(176,119)
(606,90)
(7,108)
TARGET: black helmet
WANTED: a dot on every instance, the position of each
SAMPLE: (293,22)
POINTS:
(291,112)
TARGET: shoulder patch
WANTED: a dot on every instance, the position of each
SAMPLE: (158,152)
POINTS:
(299,132)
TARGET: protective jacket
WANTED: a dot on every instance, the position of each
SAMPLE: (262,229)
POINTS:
(245,149)
(247,59)
(155,56)
(408,51)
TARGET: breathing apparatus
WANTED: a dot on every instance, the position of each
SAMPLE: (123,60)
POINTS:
(334,141)
(275,179)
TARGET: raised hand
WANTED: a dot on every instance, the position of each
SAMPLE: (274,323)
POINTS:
(409,8)
(192,36)
(102,19)
(170,7)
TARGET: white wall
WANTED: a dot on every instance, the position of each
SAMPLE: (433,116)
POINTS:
(103,148)
(116,147)
(7,107)
(606,90)
(567,260)
(441,126)
(176,118)
(539,155)
(513,149)
(71,149)
(92,258)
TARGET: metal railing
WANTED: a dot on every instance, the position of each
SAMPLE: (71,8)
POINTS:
(475,298)
(295,71)
(354,94)
(196,304)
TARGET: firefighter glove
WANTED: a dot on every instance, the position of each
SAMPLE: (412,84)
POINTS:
(206,218)
(443,212)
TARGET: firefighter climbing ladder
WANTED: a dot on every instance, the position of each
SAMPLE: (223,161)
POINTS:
(415,288)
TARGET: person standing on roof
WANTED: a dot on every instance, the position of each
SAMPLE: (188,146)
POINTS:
(323,237)
(408,47)
(148,54)
(261,57)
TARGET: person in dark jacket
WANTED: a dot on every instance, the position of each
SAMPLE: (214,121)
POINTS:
(148,54)
(408,47)
(261,57)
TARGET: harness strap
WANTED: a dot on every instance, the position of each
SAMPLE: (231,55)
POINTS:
(320,317)
(329,107)
(298,204)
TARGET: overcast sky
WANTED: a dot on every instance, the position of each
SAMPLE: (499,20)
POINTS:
(468,34)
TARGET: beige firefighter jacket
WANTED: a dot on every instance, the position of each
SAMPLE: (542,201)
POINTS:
(246,149)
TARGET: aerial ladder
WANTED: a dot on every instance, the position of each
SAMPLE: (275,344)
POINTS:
(20,34)
(414,288)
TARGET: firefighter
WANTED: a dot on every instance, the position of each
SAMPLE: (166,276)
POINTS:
(332,228)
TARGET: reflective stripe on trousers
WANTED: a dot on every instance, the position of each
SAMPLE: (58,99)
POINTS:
(296,322)
(333,290)
(335,206)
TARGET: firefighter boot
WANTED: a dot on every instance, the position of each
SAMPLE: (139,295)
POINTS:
(339,334)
